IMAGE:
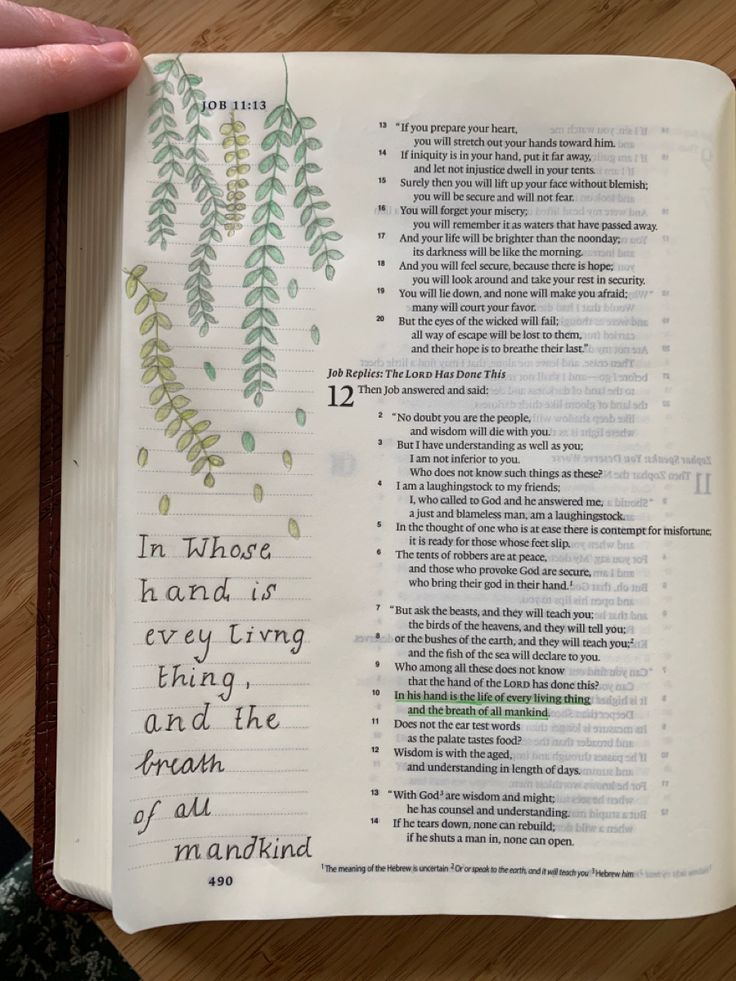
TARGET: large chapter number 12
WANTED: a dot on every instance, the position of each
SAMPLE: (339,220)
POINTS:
(346,396)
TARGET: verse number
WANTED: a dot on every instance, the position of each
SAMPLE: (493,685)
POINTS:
(220,880)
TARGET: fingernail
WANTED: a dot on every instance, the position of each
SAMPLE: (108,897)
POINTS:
(118,52)
(111,34)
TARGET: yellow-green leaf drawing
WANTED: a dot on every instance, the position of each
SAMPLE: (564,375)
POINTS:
(294,530)
(164,504)
(257,493)
(172,406)
(236,153)
(287,460)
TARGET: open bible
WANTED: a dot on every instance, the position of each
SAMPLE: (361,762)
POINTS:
(396,562)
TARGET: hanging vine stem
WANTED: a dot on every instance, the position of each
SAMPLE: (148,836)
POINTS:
(316,226)
(235,144)
(209,197)
(311,198)
(167,154)
(158,367)
(262,278)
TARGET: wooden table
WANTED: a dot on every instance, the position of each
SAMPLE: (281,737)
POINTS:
(493,948)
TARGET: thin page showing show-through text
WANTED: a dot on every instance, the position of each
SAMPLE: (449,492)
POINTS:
(423,582)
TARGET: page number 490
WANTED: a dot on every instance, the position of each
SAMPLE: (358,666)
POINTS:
(220,880)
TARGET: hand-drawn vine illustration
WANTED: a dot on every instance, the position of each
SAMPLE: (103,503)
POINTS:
(289,145)
(172,406)
(235,143)
(167,156)
(285,131)
(171,159)
(261,280)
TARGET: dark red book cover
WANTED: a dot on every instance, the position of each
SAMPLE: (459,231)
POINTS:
(52,382)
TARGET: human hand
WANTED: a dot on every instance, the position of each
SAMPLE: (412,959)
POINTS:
(52,63)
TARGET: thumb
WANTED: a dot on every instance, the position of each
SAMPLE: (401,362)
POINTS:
(58,77)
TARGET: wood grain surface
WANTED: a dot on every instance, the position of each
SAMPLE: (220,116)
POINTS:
(491,948)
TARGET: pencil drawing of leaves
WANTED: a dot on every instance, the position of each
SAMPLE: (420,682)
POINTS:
(235,143)
(171,405)
(261,279)
(284,130)
(167,153)
(310,198)
(208,196)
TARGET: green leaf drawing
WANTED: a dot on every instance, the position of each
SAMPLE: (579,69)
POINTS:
(172,406)
(209,370)
(257,493)
(294,528)
(173,153)
(287,459)
(261,278)
(235,144)
(314,334)
(164,504)
(167,154)
(248,441)
(286,135)
(301,417)
(208,196)
(142,456)
(309,198)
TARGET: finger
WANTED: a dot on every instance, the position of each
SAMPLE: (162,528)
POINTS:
(25,27)
(58,77)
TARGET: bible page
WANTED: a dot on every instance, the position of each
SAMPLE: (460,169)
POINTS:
(423,578)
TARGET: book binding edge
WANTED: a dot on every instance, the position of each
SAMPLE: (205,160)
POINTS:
(47,618)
